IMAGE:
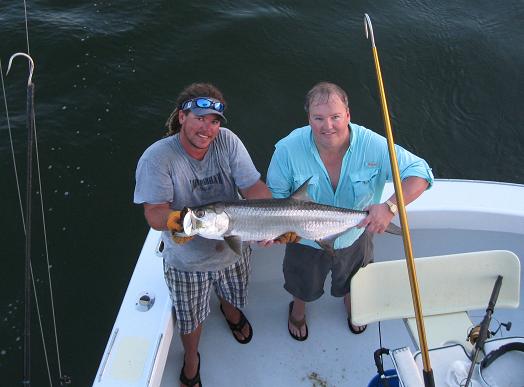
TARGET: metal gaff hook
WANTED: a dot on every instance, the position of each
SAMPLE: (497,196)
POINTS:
(369,29)
(31,65)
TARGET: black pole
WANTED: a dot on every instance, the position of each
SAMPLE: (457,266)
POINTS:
(28,282)
(429,380)
(484,327)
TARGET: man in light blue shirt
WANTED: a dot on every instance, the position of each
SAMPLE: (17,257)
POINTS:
(349,166)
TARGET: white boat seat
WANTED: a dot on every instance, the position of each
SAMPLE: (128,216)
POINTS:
(449,285)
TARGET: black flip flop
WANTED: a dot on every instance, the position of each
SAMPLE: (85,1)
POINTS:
(297,323)
(193,381)
(239,326)
(353,330)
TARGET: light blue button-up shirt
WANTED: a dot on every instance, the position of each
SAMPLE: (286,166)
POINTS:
(364,172)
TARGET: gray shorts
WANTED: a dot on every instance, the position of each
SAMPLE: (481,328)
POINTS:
(306,268)
(190,291)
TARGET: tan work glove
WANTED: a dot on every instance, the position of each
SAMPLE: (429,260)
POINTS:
(288,237)
(174,224)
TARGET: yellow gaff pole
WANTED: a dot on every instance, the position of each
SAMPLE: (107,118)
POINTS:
(428,372)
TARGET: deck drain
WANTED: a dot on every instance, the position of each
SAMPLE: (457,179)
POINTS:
(145,302)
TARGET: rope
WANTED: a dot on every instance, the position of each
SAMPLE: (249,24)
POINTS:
(41,327)
(380,345)
(48,266)
(12,148)
(379,336)
(26,28)
(51,296)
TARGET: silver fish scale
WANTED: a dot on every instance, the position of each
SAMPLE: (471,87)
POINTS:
(268,219)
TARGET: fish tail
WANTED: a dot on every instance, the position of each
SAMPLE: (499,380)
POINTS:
(392,228)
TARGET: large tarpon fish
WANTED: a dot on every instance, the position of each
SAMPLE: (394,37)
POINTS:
(265,219)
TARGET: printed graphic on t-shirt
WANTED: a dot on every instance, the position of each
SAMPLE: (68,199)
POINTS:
(205,183)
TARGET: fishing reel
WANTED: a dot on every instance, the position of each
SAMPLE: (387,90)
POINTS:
(474,333)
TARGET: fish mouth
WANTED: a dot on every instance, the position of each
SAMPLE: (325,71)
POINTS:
(188,223)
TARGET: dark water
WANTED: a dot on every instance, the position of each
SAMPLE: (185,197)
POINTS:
(107,73)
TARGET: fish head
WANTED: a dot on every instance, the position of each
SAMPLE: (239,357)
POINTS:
(209,221)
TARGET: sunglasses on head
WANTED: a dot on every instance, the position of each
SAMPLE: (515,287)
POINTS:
(205,103)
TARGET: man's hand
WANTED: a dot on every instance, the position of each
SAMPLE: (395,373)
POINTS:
(288,237)
(378,218)
(174,224)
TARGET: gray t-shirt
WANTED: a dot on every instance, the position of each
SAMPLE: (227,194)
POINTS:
(167,174)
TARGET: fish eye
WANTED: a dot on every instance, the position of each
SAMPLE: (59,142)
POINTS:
(200,213)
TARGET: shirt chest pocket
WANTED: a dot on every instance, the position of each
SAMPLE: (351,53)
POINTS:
(363,183)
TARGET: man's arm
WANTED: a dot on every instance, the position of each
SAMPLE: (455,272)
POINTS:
(379,214)
(412,188)
(157,214)
(258,190)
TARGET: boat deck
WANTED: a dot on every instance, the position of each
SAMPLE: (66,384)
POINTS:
(332,355)
(455,216)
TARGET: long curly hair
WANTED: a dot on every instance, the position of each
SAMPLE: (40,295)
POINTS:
(194,90)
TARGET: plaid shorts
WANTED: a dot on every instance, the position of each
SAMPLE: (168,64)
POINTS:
(191,291)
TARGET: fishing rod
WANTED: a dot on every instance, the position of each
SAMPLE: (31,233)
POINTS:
(28,220)
(484,327)
(427,371)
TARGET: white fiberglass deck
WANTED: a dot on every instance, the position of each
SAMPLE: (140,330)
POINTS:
(332,355)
